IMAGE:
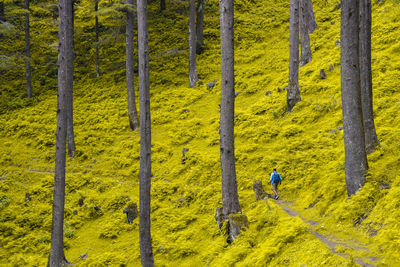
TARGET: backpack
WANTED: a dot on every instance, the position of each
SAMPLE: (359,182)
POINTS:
(276,178)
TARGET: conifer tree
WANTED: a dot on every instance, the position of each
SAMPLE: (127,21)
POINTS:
(70,56)
(57,257)
(293,92)
(307,25)
(146,250)
(356,164)
(199,26)
(371,140)
(130,63)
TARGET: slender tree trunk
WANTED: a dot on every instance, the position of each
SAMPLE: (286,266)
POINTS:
(57,257)
(96,26)
(162,5)
(230,199)
(371,140)
(312,25)
(293,92)
(146,250)
(27,52)
(304,37)
(130,63)
(199,24)
(70,77)
(356,164)
(2,16)
(193,78)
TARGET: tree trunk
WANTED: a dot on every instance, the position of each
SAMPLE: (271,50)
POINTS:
(192,44)
(312,25)
(230,199)
(130,64)
(371,140)
(293,92)
(146,251)
(2,16)
(57,257)
(27,52)
(304,37)
(162,5)
(70,77)
(355,157)
(96,26)
(199,25)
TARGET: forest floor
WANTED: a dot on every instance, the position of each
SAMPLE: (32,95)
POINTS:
(334,243)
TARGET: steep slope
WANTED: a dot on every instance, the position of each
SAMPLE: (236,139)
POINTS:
(301,144)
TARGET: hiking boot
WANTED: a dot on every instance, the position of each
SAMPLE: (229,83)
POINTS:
(276,197)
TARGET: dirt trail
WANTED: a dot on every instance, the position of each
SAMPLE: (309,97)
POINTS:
(328,241)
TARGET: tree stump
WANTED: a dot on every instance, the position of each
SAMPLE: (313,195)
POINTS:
(259,190)
(131,212)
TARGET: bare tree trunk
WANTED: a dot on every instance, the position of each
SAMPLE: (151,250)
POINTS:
(356,164)
(130,64)
(293,92)
(70,78)
(96,8)
(146,251)
(304,37)
(2,16)
(312,25)
(27,52)
(57,257)
(193,78)
(371,140)
(199,26)
(162,5)
(230,199)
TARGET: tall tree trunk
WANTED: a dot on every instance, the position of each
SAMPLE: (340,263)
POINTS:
(199,25)
(57,257)
(371,140)
(96,26)
(304,37)
(293,92)
(356,164)
(230,199)
(70,77)
(130,64)
(162,5)
(146,251)
(193,78)
(312,25)
(27,52)
(2,16)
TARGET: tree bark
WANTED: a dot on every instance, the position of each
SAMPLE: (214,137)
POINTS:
(230,199)
(146,251)
(96,26)
(162,5)
(199,24)
(57,257)
(371,140)
(130,64)
(304,37)
(2,15)
(193,78)
(70,77)
(356,164)
(27,52)
(293,92)
(312,25)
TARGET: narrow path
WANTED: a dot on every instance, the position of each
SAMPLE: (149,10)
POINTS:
(328,241)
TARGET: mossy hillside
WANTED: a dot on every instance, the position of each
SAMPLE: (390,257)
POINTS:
(184,196)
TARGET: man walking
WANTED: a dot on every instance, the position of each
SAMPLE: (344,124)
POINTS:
(276,179)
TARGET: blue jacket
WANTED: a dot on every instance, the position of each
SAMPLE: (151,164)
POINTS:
(272,177)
